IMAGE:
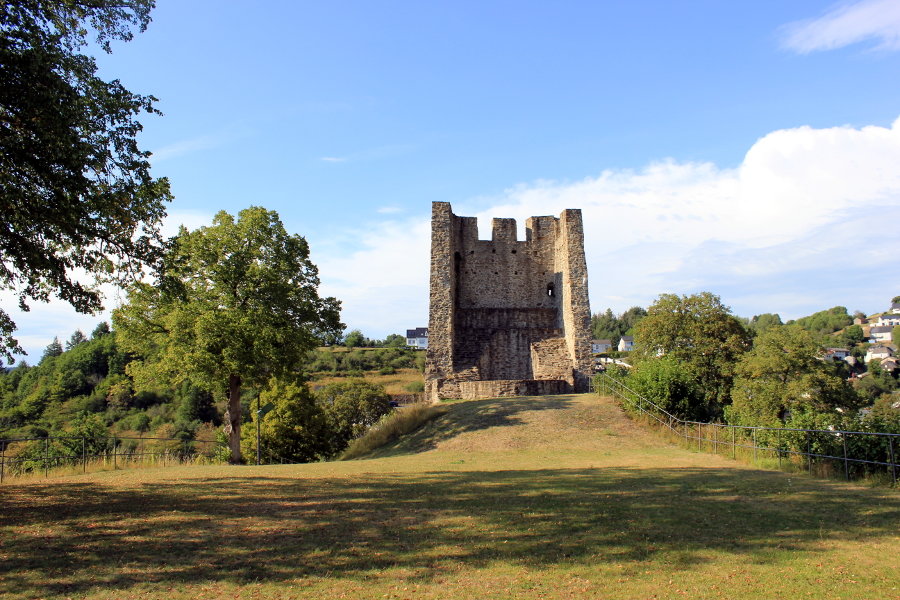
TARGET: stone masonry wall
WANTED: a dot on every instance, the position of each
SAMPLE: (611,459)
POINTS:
(507,310)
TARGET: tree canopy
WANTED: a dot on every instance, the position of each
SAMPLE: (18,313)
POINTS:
(784,373)
(235,303)
(825,321)
(700,332)
(609,326)
(76,191)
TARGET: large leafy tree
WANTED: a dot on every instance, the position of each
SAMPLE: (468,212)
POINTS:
(701,333)
(784,374)
(76,193)
(234,304)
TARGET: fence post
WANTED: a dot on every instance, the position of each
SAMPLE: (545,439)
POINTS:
(846,464)
(893,462)
(733,445)
(83,456)
(47,456)
(114,454)
(778,446)
(809,450)
(754,445)
(698,436)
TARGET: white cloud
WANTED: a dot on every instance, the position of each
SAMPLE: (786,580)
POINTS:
(332,159)
(383,285)
(807,221)
(848,23)
(389,210)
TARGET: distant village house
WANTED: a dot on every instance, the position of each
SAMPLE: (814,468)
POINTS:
(417,338)
(837,353)
(889,320)
(878,353)
(880,334)
(598,346)
(626,343)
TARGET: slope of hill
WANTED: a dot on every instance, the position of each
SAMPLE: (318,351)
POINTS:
(556,497)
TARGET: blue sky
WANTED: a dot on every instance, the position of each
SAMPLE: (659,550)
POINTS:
(745,148)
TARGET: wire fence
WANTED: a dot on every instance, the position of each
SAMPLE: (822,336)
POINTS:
(25,456)
(856,453)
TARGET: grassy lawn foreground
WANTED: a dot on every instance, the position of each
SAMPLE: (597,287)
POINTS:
(558,497)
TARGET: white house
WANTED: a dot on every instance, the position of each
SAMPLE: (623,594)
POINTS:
(417,338)
(889,320)
(895,308)
(626,343)
(837,353)
(880,334)
(878,352)
(598,346)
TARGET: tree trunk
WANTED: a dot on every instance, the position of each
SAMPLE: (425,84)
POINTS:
(234,416)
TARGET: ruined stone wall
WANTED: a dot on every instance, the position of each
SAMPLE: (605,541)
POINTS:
(507,310)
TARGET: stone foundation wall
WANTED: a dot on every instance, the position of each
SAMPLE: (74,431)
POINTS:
(504,388)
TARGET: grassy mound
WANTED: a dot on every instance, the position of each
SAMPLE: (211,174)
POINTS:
(392,428)
(559,497)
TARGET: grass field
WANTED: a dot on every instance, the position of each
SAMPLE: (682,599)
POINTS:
(555,497)
(395,383)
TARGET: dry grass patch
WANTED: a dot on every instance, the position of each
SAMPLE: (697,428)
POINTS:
(468,506)
(395,383)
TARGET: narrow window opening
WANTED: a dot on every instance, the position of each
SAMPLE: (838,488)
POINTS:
(550,291)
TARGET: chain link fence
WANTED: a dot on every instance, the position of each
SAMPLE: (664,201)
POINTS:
(820,451)
(24,456)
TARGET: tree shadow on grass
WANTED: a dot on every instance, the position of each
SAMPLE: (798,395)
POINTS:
(67,539)
(472,415)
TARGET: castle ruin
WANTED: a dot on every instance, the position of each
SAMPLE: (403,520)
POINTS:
(507,317)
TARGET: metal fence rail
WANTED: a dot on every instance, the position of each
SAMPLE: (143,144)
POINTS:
(29,455)
(857,451)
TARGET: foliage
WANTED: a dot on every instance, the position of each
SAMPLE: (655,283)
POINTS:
(295,430)
(784,374)
(77,338)
(394,340)
(235,304)
(760,323)
(608,326)
(53,349)
(851,336)
(895,335)
(76,193)
(361,360)
(825,321)
(699,332)
(355,339)
(670,384)
(877,384)
(351,408)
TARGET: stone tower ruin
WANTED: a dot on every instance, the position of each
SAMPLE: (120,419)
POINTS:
(507,317)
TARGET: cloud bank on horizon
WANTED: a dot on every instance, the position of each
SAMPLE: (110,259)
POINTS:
(807,208)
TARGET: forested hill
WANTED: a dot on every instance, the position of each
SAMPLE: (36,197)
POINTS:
(88,378)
